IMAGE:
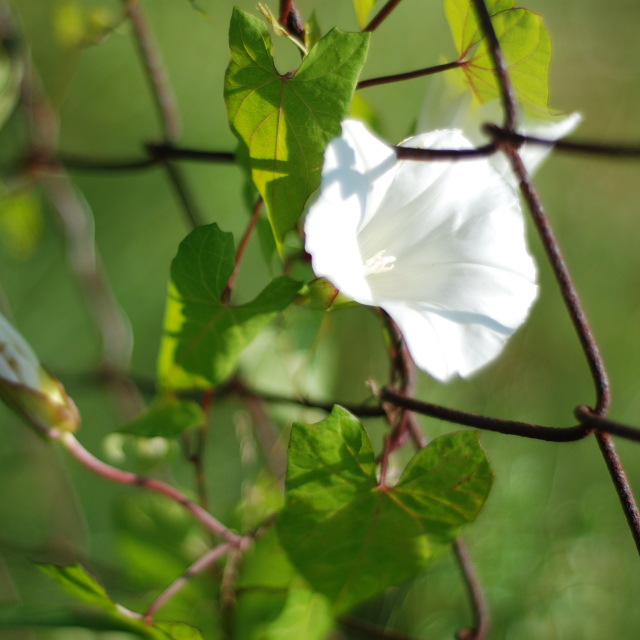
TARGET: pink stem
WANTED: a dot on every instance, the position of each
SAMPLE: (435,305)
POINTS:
(199,565)
(242,248)
(125,477)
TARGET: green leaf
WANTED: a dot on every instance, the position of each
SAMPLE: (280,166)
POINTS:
(362,110)
(21,222)
(11,73)
(312,32)
(351,538)
(283,122)
(33,616)
(274,602)
(363,9)
(82,586)
(525,44)
(203,337)
(155,539)
(75,25)
(166,417)
(465,29)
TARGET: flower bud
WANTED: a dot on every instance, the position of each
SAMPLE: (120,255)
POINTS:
(29,389)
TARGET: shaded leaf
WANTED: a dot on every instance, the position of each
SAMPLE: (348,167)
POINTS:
(283,122)
(19,615)
(11,73)
(81,585)
(525,44)
(166,417)
(156,540)
(203,337)
(274,602)
(351,538)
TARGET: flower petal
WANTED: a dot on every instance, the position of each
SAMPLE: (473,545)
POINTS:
(357,172)
(446,106)
(445,344)
(439,245)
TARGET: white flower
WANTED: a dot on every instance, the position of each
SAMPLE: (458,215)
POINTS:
(440,246)
(446,106)
(28,388)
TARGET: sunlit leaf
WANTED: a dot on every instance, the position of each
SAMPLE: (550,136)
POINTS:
(166,417)
(363,9)
(283,122)
(76,26)
(274,602)
(464,24)
(203,336)
(351,538)
(21,223)
(362,110)
(312,32)
(525,44)
(69,23)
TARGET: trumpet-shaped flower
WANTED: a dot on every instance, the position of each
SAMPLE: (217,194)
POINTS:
(440,246)
(28,388)
(445,106)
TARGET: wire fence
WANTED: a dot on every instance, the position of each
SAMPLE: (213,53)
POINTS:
(396,401)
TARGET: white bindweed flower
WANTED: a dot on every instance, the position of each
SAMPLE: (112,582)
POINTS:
(447,107)
(28,388)
(440,246)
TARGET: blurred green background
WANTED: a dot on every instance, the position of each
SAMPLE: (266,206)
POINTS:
(552,547)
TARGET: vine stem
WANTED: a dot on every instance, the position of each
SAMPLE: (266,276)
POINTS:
(197,457)
(480,609)
(198,566)
(242,247)
(69,441)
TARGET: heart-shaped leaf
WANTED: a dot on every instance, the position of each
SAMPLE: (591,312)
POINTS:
(525,44)
(351,538)
(203,336)
(283,122)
